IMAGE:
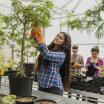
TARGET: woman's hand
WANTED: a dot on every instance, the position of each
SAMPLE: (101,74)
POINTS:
(37,34)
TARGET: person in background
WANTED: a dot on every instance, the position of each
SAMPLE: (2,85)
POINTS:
(93,63)
(53,62)
(77,61)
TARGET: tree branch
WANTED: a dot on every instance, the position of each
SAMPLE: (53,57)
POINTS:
(18,17)
(77,4)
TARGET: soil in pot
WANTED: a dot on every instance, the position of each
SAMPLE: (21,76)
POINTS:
(26,100)
(45,101)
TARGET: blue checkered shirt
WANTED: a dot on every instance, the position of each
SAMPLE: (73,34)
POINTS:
(50,77)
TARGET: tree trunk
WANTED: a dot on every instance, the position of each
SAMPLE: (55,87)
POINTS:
(23,47)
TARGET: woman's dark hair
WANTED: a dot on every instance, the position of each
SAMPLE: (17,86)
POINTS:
(65,69)
(95,49)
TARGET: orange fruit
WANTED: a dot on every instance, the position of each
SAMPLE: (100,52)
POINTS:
(78,65)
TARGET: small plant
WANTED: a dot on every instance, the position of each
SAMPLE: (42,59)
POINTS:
(4,67)
(9,99)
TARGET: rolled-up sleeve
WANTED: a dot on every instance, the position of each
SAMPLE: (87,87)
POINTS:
(52,56)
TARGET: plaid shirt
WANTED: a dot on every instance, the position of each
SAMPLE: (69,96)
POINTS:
(50,77)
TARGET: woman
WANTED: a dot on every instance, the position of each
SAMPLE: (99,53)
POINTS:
(53,63)
(93,62)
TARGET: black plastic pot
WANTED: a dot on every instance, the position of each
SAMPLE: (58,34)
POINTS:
(10,72)
(101,90)
(20,86)
(17,102)
(29,70)
(28,67)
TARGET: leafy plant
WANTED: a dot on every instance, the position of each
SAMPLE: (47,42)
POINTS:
(73,21)
(2,35)
(92,20)
(4,67)
(9,99)
(19,22)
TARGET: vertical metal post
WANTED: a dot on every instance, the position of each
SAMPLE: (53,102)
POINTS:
(98,41)
(68,28)
(60,23)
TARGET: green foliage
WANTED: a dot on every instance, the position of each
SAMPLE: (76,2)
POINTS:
(20,20)
(92,20)
(9,99)
(3,39)
(73,21)
(76,23)
(102,74)
(22,16)
(42,13)
(38,11)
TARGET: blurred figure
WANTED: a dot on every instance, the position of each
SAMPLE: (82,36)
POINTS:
(93,63)
(76,61)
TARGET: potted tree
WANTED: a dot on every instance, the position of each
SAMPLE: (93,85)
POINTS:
(17,24)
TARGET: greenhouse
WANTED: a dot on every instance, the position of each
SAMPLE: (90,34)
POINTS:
(51,51)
